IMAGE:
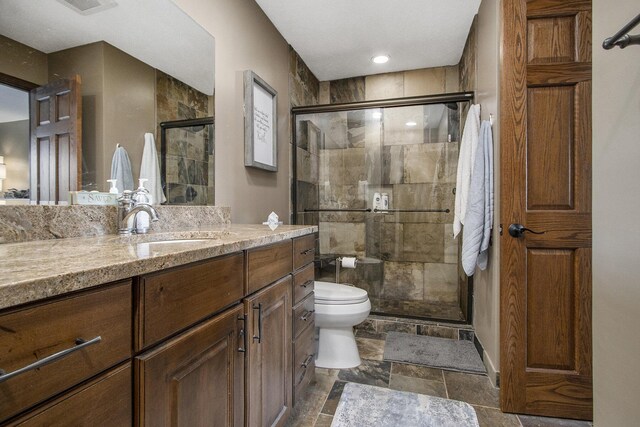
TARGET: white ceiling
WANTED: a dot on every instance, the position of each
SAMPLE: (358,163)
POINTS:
(157,32)
(338,38)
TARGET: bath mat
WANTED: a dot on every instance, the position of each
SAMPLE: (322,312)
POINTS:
(442,353)
(369,406)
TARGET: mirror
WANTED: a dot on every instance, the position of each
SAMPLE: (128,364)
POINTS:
(140,62)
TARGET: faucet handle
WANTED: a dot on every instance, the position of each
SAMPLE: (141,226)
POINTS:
(126,195)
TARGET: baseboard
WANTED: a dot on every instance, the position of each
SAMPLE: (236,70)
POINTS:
(492,372)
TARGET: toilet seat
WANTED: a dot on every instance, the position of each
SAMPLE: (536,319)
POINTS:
(327,293)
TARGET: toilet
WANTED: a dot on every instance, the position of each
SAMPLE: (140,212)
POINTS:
(338,308)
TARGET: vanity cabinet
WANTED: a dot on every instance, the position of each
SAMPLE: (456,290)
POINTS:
(269,355)
(303,314)
(209,343)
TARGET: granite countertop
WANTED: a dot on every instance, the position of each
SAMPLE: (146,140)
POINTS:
(34,270)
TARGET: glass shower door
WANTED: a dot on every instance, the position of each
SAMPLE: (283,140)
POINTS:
(347,164)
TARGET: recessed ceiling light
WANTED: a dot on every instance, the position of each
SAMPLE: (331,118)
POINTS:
(412,123)
(380,59)
(376,114)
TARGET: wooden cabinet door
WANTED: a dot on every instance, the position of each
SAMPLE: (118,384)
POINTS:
(546,186)
(268,378)
(195,379)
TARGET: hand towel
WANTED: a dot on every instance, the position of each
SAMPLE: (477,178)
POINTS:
(486,139)
(150,169)
(121,169)
(468,148)
(476,215)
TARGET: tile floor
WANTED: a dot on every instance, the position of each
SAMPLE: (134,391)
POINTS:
(318,405)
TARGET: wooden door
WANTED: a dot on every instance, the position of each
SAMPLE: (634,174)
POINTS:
(268,380)
(55,165)
(195,379)
(546,186)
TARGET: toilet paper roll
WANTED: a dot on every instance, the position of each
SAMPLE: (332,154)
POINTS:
(348,262)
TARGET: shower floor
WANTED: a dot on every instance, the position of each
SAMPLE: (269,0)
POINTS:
(421,309)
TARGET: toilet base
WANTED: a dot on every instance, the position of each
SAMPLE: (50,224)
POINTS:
(337,348)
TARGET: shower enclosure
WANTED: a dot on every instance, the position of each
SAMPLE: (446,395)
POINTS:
(351,158)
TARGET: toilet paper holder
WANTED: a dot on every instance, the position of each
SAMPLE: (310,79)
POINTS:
(346,262)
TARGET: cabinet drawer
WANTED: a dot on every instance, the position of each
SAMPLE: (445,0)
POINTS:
(303,315)
(304,250)
(267,264)
(106,401)
(303,283)
(304,361)
(175,299)
(33,333)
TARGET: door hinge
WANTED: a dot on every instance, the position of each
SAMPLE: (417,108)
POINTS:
(501,229)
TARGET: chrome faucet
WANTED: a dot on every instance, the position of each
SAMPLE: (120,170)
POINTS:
(128,208)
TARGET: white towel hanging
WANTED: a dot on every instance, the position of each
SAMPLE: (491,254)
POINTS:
(468,147)
(150,169)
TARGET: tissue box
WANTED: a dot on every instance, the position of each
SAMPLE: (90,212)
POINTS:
(93,198)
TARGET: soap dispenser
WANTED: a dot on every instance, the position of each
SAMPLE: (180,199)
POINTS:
(142,195)
(114,188)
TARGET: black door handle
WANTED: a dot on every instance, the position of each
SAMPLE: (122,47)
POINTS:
(517,230)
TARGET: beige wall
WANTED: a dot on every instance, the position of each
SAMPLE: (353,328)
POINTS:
(22,61)
(616,209)
(14,140)
(245,40)
(486,297)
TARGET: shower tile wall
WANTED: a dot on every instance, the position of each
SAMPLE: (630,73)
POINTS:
(190,172)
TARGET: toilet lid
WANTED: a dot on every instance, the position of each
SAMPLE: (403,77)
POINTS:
(333,293)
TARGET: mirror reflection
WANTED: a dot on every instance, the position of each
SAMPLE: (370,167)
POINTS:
(133,72)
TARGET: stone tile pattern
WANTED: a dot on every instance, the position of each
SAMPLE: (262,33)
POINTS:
(327,388)
(468,60)
(190,158)
(27,223)
(304,87)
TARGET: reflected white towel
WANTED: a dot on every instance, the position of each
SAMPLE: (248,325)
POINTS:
(121,169)
(150,169)
(468,147)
